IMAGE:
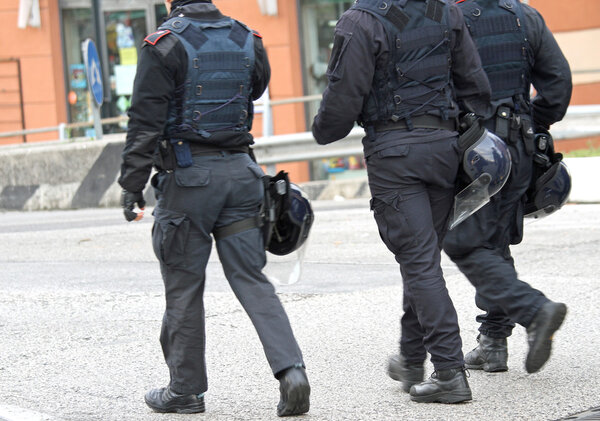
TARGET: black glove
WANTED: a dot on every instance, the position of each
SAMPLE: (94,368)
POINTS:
(128,202)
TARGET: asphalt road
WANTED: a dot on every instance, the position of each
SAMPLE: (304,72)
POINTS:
(81,301)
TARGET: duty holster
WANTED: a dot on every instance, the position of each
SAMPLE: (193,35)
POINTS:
(511,127)
(164,159)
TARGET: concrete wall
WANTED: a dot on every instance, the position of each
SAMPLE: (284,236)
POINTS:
(60,176)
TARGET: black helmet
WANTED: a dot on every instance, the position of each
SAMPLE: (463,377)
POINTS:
(551,181)
(486,163)
(289,215)
(549,192)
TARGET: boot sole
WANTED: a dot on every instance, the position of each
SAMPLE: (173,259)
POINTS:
(297,401)
(187,409)
(542,347)
(456,396)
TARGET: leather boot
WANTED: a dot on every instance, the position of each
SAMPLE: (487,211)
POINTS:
(408,374)
(490,355)
(546,321)
(444,386)
(166,400)
(295,392)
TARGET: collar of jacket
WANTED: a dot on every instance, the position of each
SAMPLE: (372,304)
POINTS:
(197,11)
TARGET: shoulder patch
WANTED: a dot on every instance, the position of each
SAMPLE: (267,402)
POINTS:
(156,36)
(256,34)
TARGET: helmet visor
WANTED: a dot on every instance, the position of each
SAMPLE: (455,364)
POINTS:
(471,199)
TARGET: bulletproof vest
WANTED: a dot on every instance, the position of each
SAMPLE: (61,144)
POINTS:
(416,79)
(497,28)
(217,88)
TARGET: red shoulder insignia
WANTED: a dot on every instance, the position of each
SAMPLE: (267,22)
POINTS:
(154,37)
(256,34)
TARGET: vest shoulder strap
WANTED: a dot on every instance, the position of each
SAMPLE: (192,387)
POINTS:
(154,37)
(382,9)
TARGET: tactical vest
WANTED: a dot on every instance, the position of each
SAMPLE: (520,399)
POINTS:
(497,28)
(216,93)
(416,79)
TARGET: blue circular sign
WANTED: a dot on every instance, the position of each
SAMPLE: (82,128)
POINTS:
(93,70)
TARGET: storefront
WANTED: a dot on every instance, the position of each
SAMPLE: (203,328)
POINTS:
(121,28)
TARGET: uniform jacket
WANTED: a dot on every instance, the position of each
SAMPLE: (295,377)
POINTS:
(549,71)
(161,69)
(351,73)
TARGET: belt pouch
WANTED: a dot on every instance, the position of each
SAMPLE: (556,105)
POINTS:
(183,153)
(528,136)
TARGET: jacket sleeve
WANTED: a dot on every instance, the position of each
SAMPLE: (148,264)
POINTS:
(471,84)
(550,74)
(262,71)
(357,43)
(153,87)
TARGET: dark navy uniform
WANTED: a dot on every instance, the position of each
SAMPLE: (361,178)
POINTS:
(517,50)
(405,70)
(191,117)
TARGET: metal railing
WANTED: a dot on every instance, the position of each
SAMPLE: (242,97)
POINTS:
(580,121)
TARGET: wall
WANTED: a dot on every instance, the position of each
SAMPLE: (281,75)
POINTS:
(41,69)
(576,27)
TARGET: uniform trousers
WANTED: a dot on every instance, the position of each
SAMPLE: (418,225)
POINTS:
(412,188)
(215,191)
(480,247)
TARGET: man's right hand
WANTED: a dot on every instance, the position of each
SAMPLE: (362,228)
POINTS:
(128,202)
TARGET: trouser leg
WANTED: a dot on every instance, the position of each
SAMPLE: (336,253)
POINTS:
(407,230)
(243,258)
(243,265)
(183,260)
(412,347)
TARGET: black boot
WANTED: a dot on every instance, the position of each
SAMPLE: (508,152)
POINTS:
(295,392)
(444,386)
(166,400)
(546,321)
(408,374)
(490,355)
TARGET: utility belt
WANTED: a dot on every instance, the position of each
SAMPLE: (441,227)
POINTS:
(511,127)
(174,153)
(417,122)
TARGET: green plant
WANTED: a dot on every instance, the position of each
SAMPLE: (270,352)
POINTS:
(582,153)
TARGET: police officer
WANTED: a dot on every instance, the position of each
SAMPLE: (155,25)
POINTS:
(517,50)
(404,69)
(190,116)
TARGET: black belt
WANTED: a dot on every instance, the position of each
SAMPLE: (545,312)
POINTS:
(418,122)
(202,149)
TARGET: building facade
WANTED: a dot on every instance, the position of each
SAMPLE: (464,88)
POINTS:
(43,83)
